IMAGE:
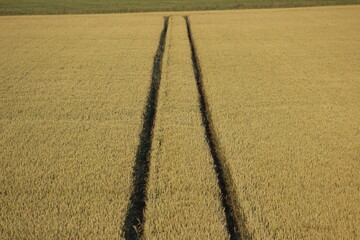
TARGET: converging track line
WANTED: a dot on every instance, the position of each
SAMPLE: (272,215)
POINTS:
(234,216)
(134,221)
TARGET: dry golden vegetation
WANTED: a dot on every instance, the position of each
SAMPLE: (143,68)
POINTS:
(183,194)
(73,89)
(283,89)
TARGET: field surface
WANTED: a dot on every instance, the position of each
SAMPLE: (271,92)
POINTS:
(26,7)
(72,96)
(224,124)
(283,89)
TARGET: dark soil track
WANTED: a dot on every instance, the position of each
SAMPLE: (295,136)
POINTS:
(234,217)
(133,227)
(134,222)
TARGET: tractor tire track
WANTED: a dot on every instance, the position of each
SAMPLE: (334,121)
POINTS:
(235,219)
(134,221)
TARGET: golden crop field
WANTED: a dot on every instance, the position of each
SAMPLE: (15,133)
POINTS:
(72,95)
(241,124)
(283,87)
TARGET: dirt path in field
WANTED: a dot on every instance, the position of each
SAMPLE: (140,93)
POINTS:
(135,216)
(134,222)
(234,215)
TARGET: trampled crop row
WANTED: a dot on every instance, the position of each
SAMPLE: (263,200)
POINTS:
(183,194)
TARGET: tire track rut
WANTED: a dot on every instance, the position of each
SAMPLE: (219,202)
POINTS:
(234,215)
(134,221)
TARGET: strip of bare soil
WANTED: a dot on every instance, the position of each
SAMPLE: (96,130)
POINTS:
(234,217)
(134,221)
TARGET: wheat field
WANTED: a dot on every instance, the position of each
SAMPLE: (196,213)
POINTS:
(283,89)
(72,96)
(252,130)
